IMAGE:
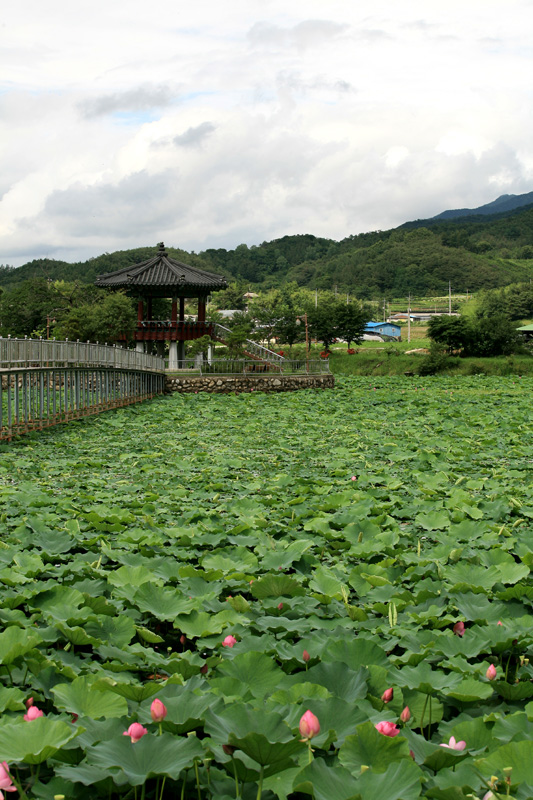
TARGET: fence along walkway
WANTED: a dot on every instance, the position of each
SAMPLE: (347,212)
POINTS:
(45,382)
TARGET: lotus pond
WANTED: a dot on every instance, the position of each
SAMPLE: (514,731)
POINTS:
(245,559)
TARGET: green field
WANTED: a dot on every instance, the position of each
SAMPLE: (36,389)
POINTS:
(359,525)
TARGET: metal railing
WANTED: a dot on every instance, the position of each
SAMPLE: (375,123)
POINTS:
(251,367)
(48,353)
(257,350)
(44,383)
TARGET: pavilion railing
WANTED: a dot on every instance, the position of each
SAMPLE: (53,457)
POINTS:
(44,383)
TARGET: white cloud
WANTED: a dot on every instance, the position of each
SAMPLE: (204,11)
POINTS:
(124,124)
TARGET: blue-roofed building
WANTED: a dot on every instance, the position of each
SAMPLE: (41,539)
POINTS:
(383,330)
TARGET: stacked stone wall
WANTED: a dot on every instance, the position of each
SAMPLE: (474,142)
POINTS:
(226,384)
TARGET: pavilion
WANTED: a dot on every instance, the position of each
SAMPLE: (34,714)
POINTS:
(163,276)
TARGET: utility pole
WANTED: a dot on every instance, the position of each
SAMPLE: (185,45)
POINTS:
(409,318)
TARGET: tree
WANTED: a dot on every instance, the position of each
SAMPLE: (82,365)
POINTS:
(452,332)
(478,336)
(496,336)
(99,322)
(351,322)
(323,322)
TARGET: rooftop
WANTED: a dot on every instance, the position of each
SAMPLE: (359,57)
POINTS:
(163,272)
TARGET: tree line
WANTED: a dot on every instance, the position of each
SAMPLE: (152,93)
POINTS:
(72,310)
(419,258)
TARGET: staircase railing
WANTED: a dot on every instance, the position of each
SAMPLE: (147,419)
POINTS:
(253,348)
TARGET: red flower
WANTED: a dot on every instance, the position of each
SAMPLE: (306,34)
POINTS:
(387,728)
(158,710)
(387,695)
(459,629)
(306,656)
(136,731)
(309,725)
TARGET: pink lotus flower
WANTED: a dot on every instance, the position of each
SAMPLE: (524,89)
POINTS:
(158,710)
(33,713)
(353,478)
(280,606)
(229,641)
(499,622)
(135,732)
(6,784)
(387,695)
(405,716)
(309,725)
(306,656)
(387,728)
(491,673)
(459,628)
(453,745)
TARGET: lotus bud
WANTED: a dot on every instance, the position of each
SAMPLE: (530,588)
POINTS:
(135,732)
(405,716)
(204,669)
(229,641)
(309,725)
(158,710)
(29,702)
(459,629)
(491,673)
(387,695)
(306,656)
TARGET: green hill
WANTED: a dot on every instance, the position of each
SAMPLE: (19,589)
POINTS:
(420,257)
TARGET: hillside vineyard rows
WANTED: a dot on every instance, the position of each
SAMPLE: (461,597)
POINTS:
(321,594)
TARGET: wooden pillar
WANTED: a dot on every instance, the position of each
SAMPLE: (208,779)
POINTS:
(140,311)
(182,309)
(174,314)
(201,309)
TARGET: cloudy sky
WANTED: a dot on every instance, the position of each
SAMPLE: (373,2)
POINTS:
(209,123)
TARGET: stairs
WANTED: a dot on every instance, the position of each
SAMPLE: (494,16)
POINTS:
(251,349)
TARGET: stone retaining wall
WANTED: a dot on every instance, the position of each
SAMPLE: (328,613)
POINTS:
(225,384)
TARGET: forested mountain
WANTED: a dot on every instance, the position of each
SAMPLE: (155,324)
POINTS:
(421,257)
(502,204)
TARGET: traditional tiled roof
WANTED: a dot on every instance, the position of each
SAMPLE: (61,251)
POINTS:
(161,271)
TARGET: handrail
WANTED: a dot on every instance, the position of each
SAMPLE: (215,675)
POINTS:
(51,353)
(252,367)
(250,346)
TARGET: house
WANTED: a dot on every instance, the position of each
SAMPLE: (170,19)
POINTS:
(385,331)
(526,331)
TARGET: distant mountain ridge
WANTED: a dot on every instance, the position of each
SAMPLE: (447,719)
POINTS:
(483,248)
(502,204)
